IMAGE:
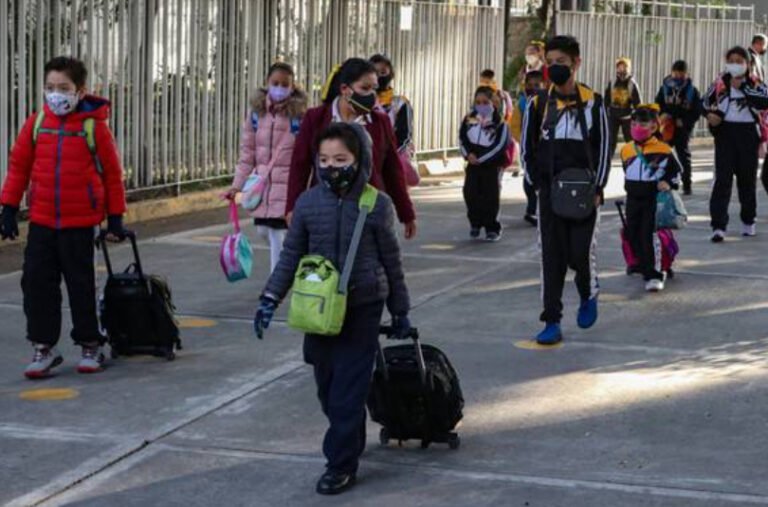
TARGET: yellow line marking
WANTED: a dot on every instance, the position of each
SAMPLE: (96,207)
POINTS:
(194,322)
(532,345)
(49,394)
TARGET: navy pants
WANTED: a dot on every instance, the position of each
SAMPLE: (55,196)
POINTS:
(343,371)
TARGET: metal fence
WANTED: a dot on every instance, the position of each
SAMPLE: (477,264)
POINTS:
(654,35)
(179,72)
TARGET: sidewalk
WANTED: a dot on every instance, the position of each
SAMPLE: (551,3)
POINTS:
(663,403)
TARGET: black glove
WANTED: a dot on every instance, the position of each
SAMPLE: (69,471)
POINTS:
(9,225)
(401,326)
(115,227)
(264,315)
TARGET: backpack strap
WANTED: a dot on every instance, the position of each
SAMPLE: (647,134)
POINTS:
(89,129)
(255,120)
(38,125)
(295,125)
(366,203)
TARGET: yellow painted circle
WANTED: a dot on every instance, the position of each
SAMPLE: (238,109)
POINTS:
(193,322)
(49,394)
(532,345)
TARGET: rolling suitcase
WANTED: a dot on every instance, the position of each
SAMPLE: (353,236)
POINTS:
(415,394)
(667,242)
(137,310)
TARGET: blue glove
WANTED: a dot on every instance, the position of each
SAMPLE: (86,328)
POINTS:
(115,227)
(401,326)
(9,226)
(264,315)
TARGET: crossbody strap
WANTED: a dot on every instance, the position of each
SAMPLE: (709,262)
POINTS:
(582,115)
(367,202)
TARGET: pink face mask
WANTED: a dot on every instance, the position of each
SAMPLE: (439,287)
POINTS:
(640,133)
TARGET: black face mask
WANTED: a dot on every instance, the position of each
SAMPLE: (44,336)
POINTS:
(384,82)
(363,103)
(559,74)
(337,178)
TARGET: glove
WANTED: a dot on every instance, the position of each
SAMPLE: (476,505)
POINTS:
(401,326)
(115,227)
(264,315)
(9,225)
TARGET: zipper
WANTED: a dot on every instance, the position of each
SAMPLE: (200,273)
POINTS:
(338,233)
(57,174)
(271,154)
(92,196)
(315,296)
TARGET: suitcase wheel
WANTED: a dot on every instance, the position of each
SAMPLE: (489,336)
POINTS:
(384,437)
(454,441)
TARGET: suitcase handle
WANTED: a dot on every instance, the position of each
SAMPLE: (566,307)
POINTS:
(620,207)
(389,331)
(105,249)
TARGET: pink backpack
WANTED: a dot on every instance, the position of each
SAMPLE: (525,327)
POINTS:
(236,256)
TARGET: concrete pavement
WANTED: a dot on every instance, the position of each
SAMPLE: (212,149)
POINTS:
(663,403)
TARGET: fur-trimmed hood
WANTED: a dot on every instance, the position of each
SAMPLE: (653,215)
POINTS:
(294,107)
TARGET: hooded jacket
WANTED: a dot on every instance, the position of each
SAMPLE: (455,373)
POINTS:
(645,164)
(273,139)
(59,173)
(681,102)
(323,224)
(623,95)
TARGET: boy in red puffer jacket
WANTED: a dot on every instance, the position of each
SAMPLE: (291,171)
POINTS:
(66,161)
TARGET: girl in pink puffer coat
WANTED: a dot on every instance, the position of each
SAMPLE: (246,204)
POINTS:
(266,145)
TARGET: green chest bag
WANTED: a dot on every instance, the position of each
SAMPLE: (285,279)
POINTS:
(319,296)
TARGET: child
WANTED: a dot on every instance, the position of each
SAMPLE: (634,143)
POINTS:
(323,221)
(397,107)
(65,159)
(534,83)
(622,95)
(483,140)
(266,145)
(650,167)
(505,106)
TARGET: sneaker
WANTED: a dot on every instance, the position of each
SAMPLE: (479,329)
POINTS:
(333,483)
(718,236)
(748,231)
(531,219)
(45,359)
(474,232)
(587,315)
(550,335)
(654,285)
(92,360)
(493,237)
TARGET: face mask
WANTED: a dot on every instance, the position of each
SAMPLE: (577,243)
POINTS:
(61,104)
(337,178)
(640,133)
(736,69)
(484,110)
(279,93)
(363,103)
(531,59)
(559,73)
(384,82)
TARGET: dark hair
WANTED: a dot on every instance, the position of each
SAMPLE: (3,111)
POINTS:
(485,90)
(680,66)
(645,114)
(72,67)
(534,74)
(280,67)
(737,50)
(565,43)
(350,71)
(488,74)
(344,133)
(759,37)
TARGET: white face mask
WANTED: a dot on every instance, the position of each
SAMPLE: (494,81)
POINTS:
(531,59)
(61,104)
(736,69)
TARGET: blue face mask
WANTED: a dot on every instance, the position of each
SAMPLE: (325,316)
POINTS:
(484,110)
(337,178)
(678,81)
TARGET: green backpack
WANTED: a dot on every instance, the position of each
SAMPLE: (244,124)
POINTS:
(319,297)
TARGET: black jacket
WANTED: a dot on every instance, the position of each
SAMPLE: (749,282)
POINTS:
(680,102)
(488,142)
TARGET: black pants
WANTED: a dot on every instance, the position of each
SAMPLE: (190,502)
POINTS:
(641,232)
(482,195)
(736,154)
(343,370)
(764,174)
(51,254)
(530,197)
(626,130)
(564,244)
(682,144)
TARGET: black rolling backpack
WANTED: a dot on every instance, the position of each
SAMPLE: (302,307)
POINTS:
(415,394)
(137,311)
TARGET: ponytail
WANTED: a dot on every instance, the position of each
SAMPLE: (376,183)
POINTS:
(349,72)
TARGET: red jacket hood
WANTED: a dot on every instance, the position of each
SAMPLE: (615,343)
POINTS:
(90,106)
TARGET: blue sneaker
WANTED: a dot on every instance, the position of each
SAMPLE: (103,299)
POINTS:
(551,335)
(587,313)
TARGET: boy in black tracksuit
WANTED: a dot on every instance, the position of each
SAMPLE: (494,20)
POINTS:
(649,167)
(483,140)
(552,142)
(680,104)
(732,106)
(622,95)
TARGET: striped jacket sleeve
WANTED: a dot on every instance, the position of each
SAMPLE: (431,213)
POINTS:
(757,96)
(600,142)
(496,150)
(529,138)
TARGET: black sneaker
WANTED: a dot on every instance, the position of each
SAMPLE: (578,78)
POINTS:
(718,236)
(333,483)
(493,237)
(474,232)
(531,219)
(687,190)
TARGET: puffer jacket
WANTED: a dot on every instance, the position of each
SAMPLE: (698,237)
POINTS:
(274,137)
(323,225)
(59,172)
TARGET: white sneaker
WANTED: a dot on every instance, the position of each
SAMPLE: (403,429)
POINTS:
(45,359)
(718,236)
(654,285)
(92,360)
(748,231)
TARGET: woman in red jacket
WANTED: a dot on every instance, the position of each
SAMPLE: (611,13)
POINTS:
(66,161)
(350,98)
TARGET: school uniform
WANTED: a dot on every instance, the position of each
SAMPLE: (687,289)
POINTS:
(623,96)
(645,164)
(681,101)
(515,128)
